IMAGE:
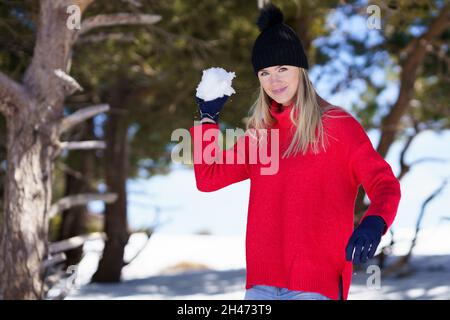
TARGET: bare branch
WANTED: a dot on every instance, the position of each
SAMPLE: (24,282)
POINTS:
(74,242)
(105,36)
(135,3)
(422,213)
(69,83)
(204,44)
(81,115)
(116,19)
(78,200)
(55,259)
(404,167)
(77,174)
(11,94)
(82,145)
(429,159)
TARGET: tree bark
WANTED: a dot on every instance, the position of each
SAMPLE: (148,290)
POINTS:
(25,228)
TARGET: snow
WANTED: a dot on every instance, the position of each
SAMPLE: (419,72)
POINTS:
(218,272)
(215,83)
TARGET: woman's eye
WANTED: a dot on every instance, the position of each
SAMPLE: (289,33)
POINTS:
(264,73)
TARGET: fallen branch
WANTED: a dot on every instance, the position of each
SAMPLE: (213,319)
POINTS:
(79,199)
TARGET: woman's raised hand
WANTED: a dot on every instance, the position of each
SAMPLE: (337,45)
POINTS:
(211,109)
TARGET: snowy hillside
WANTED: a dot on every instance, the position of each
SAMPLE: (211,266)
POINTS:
(213,267)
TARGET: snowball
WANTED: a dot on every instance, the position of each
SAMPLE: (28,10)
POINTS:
(215,83)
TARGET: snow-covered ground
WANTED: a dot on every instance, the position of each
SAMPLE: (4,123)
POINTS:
(213,267)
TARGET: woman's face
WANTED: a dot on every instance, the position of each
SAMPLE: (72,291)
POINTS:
(280,82)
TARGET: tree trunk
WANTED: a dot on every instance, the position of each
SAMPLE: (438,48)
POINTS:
(116,166)
(2,161)
(27,199)
(33,110)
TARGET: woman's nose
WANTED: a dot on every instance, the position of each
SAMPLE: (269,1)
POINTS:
(274,78)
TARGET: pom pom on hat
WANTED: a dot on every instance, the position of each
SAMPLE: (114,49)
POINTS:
(269,16)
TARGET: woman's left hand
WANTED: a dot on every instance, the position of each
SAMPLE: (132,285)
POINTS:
(365,239)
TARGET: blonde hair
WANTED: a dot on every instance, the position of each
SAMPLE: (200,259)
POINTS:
(308,121)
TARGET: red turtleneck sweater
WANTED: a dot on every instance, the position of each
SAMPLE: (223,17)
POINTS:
(301,218)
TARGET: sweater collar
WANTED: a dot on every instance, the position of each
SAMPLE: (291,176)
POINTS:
(281,114)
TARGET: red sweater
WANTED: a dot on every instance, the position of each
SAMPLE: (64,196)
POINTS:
(301,218)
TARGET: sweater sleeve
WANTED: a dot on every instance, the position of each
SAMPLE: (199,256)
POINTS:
(375,174)
(215,168)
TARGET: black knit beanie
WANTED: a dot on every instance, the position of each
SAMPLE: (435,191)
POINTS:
(277,44)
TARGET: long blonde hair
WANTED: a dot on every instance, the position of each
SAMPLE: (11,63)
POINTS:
(308,121)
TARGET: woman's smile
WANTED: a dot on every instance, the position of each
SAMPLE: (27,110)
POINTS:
(279,91)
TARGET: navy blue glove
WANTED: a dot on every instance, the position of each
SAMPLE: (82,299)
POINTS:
(211,109)
(365,239)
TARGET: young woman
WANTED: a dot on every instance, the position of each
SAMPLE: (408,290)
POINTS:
(300,241)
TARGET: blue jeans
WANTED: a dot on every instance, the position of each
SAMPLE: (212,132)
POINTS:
(263,292)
